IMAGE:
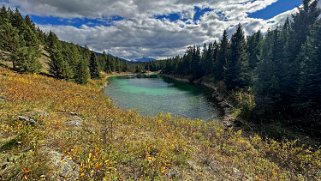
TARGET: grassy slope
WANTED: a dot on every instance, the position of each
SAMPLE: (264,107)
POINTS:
(117,144)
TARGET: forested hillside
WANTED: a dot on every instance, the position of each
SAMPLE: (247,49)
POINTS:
(281,68)
(27,49)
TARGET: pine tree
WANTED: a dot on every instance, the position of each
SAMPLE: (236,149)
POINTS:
(29,53)
(30,24)
(310,75)
(4,17)
(267,83)
(26,60)
(9,41)
(255,49)
(59,67)
(223,55)
(9,37)
(52,42)
(302,21)
(82,74)
(300,27)
(17,20)
(94,67)
(236,74)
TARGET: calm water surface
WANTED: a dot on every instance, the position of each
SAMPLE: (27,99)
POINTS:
(155,94)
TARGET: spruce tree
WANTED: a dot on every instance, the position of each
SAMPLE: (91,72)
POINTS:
(9,41)
(236,74)
(309,86)
(26,60)
(270,71)
(29,53)
(17,20)
(82,74)
(3,15)
(52,42)
(94,67)
(59,67)
(9,37)
(30,24)
(255,49)
(223,55)
(302,22)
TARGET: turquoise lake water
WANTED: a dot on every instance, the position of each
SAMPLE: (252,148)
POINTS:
(153,95)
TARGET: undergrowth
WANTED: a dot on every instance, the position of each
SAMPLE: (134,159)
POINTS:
(113,144)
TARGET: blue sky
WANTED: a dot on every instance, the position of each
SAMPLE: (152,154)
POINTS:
(151,28)
(76,22)
(276,8)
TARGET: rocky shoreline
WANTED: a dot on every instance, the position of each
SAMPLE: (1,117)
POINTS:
(218,98)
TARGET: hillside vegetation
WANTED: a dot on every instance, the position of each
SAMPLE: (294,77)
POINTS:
(53,129)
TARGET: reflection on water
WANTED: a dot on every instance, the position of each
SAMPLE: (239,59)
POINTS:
(151,95)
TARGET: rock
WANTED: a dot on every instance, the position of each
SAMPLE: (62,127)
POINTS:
(75,121)
(2,99)
(63,168)
(193,165)
(8,167)
(73,114)
(228,124)
(172,173)
(27,120)
(6,170)
(237,173)
(319,173)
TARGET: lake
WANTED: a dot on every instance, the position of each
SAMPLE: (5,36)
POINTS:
(152,95)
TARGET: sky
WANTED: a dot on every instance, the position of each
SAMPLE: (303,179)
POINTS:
(151,28)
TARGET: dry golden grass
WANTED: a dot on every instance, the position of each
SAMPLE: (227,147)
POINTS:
(113,144)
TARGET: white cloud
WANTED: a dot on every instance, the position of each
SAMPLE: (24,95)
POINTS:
(140,34)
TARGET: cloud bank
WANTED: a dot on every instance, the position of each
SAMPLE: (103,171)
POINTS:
(139,33)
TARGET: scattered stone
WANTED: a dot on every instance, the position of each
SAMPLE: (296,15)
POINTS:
(27,120)
(172,174)
(73,114)
(237,173)
(228,124)
(63,168)
(6,169)
(8,166)
(2,99)
(193,165)
(75,121)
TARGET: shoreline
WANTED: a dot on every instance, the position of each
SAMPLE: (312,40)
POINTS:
(219,99)
(107,76)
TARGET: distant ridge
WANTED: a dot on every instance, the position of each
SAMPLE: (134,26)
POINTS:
(144,59)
